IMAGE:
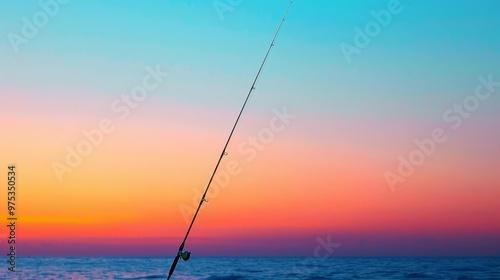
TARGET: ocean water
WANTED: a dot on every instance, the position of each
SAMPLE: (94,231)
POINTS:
(256,268)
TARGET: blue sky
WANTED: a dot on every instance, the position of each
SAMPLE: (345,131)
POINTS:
(459,40)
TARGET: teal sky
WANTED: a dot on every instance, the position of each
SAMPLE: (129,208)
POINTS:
(97,46)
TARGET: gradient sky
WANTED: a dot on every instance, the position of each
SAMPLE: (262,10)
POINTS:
(323,175)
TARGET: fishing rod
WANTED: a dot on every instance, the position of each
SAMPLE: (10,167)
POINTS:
(185,255)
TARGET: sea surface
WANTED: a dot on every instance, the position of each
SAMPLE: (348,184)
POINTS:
(216,268)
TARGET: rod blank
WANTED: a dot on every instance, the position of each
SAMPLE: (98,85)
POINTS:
(223,153)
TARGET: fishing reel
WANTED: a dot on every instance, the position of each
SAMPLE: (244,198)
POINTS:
(185,255)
